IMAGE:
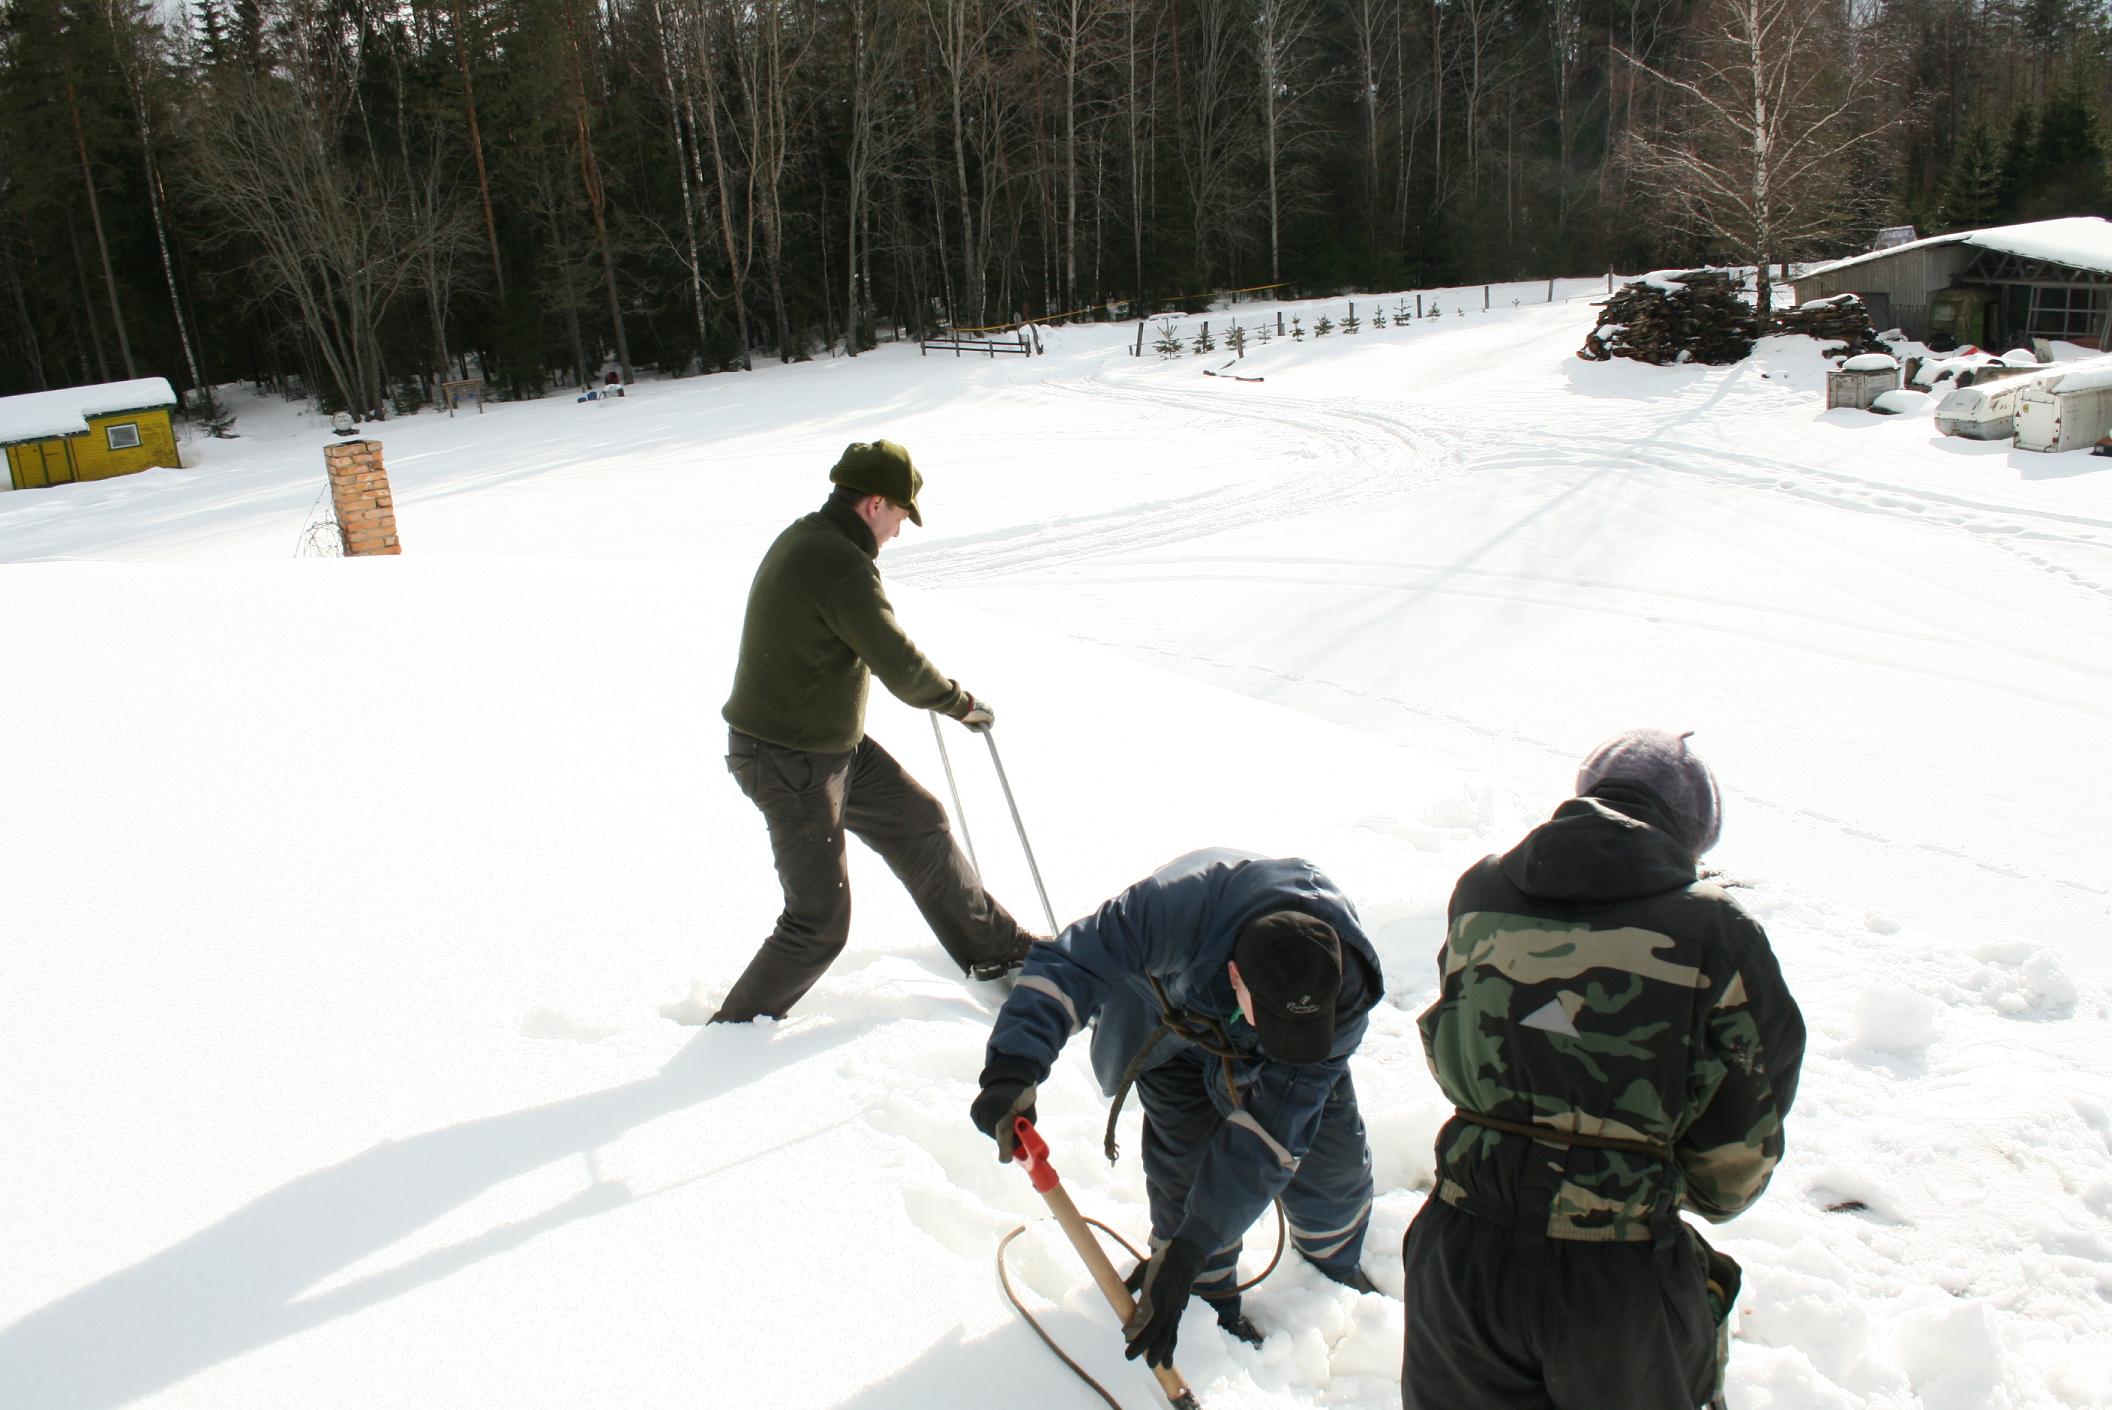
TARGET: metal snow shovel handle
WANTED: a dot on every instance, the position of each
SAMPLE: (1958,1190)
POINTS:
(960,814)
(990,738)
(1033,1156)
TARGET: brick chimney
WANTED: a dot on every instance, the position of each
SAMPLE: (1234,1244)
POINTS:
(359,492)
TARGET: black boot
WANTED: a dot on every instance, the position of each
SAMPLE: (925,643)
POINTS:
(1233,1320)
(1355,1280)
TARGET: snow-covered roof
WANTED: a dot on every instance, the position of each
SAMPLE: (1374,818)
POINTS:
(35,416)
(2080,241)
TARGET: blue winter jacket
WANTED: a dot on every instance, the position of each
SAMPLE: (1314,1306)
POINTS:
(1178,926)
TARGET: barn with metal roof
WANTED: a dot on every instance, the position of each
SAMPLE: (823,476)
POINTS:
(2049,280)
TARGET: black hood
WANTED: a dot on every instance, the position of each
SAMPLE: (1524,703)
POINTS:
(1614,845)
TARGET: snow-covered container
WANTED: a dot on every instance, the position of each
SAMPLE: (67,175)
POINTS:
(1987,410)
(1861,380)
(2070,412)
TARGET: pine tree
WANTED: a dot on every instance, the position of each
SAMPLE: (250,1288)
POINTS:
(2067,157)
(2018,149)
(1972,189)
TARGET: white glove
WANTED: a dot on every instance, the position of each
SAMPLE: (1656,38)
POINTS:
(980,716)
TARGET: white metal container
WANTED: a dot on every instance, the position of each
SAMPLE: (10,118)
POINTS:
(2056,417)
(1987,412)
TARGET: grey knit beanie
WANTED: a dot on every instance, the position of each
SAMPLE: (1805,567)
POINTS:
(1660,761)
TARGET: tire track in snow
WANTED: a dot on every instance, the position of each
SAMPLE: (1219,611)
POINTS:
(1342,455)
(2011,528)
(1272,681)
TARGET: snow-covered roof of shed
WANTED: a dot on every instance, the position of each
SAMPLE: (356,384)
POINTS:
(2079,241)
(36,416)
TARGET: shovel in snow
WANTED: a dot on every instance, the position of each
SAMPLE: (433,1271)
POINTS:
(1033,1155)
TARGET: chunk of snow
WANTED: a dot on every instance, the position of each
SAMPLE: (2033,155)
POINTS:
(1955,1358)
(1895,1020)
(1870,362)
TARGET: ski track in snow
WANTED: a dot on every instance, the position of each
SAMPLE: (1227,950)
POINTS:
(1341,456)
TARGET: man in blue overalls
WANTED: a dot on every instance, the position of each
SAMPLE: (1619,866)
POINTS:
(1230,989)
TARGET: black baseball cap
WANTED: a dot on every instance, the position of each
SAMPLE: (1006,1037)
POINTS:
(1291,964)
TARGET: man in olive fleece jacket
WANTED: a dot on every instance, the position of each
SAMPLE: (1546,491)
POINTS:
(818,625)
(1619,1046)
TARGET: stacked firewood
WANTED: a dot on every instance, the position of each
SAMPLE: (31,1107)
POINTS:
(1842,317)
(1698,315)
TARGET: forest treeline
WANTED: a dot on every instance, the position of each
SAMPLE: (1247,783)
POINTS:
(357,199)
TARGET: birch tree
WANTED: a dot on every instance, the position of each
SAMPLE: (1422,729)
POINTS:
(1283,31)
(1764,117)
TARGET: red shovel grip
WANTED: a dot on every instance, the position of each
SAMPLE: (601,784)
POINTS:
(1032,1153)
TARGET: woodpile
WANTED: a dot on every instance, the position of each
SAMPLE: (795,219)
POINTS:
(1700,315)
(1842,317)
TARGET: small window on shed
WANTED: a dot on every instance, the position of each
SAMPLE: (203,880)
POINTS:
(123,436)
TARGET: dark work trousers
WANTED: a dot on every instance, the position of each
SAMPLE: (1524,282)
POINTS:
(1327,1203)
(1503,1320)
(808,801)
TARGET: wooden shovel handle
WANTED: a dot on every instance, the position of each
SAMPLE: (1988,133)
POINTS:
(1096,1260)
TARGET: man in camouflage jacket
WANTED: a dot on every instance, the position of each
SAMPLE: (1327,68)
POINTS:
(819,625)
(1618,1043)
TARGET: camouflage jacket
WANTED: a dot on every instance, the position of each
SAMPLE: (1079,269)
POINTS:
(1592,984)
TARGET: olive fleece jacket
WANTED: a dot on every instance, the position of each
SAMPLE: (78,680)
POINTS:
(818,624)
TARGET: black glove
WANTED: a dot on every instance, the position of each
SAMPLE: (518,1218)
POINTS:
(1001,1099)
(1162,1295)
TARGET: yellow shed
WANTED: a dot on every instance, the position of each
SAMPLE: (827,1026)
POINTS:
(87,433)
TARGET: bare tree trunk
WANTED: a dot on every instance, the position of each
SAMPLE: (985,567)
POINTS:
(88,323)
(130,64)
(683,170)
(1437,107)
(739,253)
(95,220)
(590,179)
(476,147)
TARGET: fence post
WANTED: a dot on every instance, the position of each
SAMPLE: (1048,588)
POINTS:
(1139,351)
(1418,305)
(1484,298)
(1550,288)
(1279,322)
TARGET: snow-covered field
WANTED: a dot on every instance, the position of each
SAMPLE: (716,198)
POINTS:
(346,903)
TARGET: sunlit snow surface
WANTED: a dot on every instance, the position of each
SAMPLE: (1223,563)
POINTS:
(342,900)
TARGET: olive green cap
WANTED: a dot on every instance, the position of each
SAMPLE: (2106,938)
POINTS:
(881,468)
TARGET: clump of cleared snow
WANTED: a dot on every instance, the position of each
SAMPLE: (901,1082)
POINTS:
(1955,1358)
(2024,978)
(1895,1020)
(1871,362)
(1903,401)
